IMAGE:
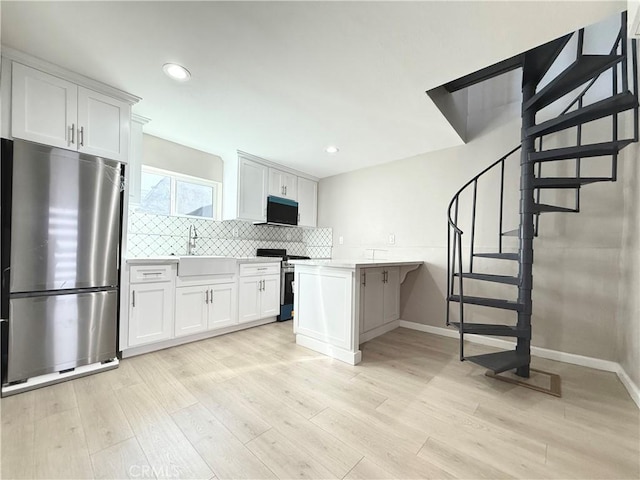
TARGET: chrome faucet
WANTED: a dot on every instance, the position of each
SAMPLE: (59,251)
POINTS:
(191,246)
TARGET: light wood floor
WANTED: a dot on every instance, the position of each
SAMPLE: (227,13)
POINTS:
(252,404)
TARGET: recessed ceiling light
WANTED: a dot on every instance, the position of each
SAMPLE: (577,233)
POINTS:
(177,72)
(331,149)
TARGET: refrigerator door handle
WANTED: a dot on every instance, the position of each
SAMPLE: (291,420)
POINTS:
(5,273)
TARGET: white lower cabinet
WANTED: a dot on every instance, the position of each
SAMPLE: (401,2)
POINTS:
(222,311)
(150,313)
(191,310)
(249,292)
(259,292)
(270,297)
(204,307)
(380,294)
(167,309)
(259,297)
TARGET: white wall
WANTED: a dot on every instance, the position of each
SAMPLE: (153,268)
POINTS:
(628,311)
(160,153)
(576,275)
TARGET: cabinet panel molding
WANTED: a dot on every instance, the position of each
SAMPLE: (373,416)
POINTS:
(150,313)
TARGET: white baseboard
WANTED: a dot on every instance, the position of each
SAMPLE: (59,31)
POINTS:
(381,330)
(174,342)
(572,358)
(629,384)
(352,358)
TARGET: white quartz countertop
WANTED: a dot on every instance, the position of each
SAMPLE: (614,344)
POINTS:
(153,260)
(259,259)
(355,263)
(176,259)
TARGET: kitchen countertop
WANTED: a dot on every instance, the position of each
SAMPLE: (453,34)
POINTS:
(355,263)
(153,260)
(176,258)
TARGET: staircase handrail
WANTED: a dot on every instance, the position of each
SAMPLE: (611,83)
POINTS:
(619,39)
(580,96)
(455,197)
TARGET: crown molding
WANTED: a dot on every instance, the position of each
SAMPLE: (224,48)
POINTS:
(48,67)
(277,166)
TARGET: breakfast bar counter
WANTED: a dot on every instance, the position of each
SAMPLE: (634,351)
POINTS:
(341,303)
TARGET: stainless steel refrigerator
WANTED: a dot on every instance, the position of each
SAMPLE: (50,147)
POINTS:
(61,231)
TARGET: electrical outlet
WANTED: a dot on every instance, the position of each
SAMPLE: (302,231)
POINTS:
(392,239)
(235,232)
(340,239)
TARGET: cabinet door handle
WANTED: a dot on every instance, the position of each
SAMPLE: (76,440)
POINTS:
(364,279)
(212,296)
(133,298)
(206,297)
(285,189)
(81,136)
(72,133)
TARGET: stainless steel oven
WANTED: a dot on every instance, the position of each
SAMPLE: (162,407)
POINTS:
(286,279)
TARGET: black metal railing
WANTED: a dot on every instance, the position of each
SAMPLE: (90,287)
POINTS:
(454,237)
(455,266)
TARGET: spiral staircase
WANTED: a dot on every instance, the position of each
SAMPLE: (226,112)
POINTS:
(621,68)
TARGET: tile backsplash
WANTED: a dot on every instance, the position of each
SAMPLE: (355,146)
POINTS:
(152,235)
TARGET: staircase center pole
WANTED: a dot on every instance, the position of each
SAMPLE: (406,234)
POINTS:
(526,226)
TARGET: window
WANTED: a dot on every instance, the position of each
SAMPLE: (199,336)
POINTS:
(169,193)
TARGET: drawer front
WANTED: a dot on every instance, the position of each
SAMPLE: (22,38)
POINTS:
(249,269)
(150,273)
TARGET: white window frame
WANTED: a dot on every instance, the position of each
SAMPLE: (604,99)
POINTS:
(174,177)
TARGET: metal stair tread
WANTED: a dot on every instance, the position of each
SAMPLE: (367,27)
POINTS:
(583,69)
(567,182)
(499,256)
(492,329)
(506,279)
(511,233)
(580,151)
(489,302)
(501,361)
(540,59)
(614,104)
(542,208)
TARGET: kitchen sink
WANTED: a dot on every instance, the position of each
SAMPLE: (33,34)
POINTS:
(203,265)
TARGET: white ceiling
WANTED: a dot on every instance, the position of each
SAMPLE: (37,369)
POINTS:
(282,80)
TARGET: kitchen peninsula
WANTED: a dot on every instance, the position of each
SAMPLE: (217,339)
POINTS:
(339,304)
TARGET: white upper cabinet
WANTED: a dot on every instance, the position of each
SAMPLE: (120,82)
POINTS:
(283,184)
(104,125)
(307,202)
(252,191)
(249,180)
(44,108)
(53,111)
